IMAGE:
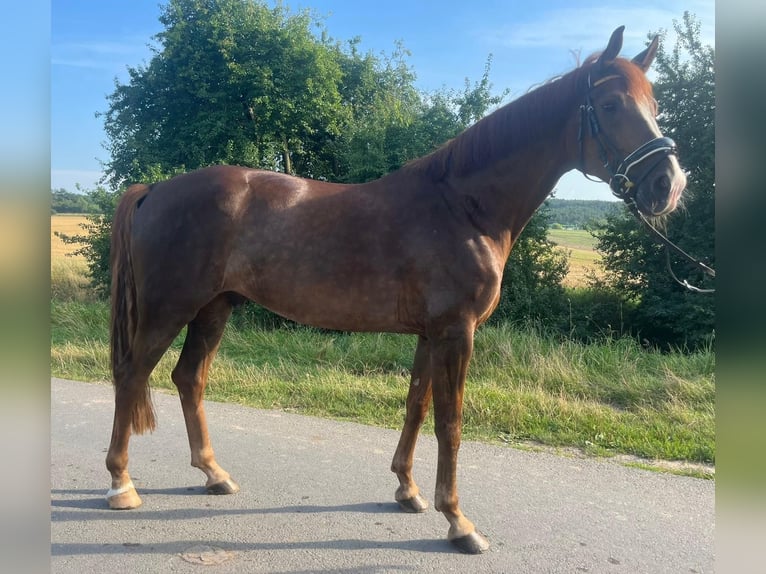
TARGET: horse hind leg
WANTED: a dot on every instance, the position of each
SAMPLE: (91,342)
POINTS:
(133,410)
(190,377)
(418,401)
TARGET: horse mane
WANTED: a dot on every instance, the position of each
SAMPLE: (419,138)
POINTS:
(523,121)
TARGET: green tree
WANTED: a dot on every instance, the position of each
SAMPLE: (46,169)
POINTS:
(382,102)
(664,312)
(63,201)
(531,291)
(392,123)
(232,81)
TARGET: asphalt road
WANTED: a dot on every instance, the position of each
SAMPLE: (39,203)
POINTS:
(317,496)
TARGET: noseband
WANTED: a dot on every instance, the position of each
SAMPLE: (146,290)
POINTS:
(619,181)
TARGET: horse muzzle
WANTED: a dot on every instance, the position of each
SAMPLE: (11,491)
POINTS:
(650,177)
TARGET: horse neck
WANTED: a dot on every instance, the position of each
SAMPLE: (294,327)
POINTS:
(509,162)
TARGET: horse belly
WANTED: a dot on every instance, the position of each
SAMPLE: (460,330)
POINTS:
(318,290)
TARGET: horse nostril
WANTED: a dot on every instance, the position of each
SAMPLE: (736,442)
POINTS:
(663,183)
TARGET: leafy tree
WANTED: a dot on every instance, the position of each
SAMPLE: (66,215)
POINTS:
(531,291)
(63,201)
(382,102)
(666,313)
(232,82)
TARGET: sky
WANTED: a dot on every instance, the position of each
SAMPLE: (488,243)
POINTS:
(93,44)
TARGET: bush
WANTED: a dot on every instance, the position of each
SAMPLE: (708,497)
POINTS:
(597,313)
(531,291)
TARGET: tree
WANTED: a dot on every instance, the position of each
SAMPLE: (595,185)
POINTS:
(231,82)
(63,201)
(392,123)
(665,313)
(531,291)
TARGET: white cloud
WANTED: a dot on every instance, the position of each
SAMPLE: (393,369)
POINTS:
(588,27)
(110,56)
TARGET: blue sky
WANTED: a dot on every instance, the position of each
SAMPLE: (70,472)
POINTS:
(92,43)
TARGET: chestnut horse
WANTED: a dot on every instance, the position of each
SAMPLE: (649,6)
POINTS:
(419,251)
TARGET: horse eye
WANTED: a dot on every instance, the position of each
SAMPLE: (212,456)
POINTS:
(609,107)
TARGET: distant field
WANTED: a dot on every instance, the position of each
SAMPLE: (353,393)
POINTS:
(69,225)
(69,273)
(583,257)
(573,238)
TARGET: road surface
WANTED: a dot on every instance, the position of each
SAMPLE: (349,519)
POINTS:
(317,496)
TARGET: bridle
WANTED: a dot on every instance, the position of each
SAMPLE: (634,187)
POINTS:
(619,178)
(620,181)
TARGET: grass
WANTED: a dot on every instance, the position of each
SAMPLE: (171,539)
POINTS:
(573,238)
(523,388)
(605,398)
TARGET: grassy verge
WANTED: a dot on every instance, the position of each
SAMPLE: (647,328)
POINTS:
(608,398)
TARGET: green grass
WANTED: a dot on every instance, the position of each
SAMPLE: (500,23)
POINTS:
(608,398)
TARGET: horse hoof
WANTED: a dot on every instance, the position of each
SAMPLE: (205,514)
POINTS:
(123,499)
(228,486)
(473,543)
(415,504)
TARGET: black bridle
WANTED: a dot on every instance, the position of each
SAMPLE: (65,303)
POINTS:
(619,178)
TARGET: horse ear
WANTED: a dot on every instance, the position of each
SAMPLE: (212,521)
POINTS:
(613,48)
(645,58)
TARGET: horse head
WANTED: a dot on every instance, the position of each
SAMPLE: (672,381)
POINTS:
(619,139)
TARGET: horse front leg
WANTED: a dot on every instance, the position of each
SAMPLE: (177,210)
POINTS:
(450,356)
(418,401)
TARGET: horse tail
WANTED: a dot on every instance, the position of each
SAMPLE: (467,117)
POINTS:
(124,317)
